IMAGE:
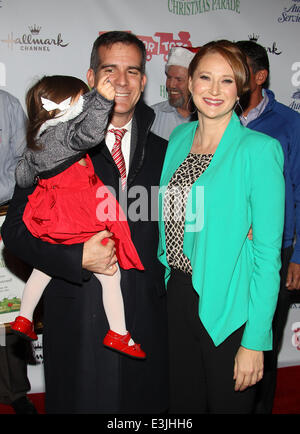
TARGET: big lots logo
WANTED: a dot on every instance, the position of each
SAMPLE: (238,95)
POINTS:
(161,43)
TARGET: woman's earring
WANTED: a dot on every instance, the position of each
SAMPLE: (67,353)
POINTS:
(191,104)
(237,107)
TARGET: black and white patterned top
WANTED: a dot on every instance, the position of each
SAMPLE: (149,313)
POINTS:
(175,201)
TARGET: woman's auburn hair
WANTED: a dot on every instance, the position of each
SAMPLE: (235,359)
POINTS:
(233,55)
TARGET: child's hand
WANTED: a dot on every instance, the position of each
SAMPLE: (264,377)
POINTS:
(105,88)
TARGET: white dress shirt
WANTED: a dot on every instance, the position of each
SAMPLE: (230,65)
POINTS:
(166,119)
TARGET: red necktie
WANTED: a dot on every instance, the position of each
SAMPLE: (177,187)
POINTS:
(117,154)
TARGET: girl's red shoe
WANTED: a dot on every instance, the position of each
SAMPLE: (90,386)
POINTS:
(119,343)
(24,328)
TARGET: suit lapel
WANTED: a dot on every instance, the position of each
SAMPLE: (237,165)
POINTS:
(133,141)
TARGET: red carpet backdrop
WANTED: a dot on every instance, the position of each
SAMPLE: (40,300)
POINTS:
(40,37)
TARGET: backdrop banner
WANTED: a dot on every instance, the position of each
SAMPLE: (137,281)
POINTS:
(39,37)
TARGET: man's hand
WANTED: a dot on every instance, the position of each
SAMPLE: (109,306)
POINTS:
(100,258)
(293,276)
(248,368)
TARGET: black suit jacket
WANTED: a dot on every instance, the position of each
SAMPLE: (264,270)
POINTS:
(81,375)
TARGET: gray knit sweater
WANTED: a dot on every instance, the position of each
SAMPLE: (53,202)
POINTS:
(65,139)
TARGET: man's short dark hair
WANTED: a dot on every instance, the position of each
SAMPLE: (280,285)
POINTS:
(107,39)
(257,55)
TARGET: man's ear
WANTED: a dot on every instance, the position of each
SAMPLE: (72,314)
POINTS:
(144,81)
(90,76)
(261,77)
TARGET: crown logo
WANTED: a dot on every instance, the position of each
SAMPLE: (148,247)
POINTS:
(253,37)
(34,30)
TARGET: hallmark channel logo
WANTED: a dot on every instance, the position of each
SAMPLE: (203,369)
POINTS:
(291,14)
(160,43)
(34,41)
(271,49)
(187,7)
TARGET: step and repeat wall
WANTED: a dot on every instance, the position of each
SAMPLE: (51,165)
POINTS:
(39,37)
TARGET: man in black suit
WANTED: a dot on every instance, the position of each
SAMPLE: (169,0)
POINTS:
(82,376)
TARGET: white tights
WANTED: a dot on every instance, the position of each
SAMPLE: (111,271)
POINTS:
(111,295)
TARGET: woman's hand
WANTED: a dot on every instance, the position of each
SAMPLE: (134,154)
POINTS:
(248,368)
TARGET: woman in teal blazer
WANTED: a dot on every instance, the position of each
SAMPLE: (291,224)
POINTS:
(222,288)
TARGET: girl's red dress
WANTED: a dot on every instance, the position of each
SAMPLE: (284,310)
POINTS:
(74,205)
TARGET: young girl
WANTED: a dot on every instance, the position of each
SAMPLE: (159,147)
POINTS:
(65,120)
